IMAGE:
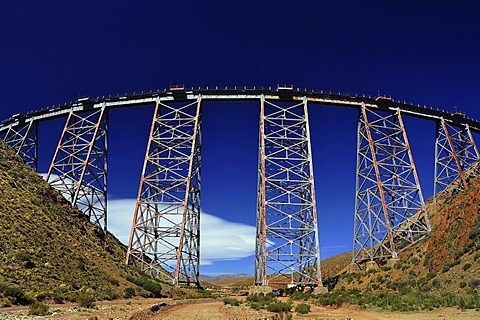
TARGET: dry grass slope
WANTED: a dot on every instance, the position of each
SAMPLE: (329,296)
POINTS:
(50,250)
(442,269)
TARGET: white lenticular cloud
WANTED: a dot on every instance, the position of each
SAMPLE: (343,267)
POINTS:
(219,239)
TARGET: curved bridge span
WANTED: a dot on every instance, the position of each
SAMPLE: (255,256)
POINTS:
(390,212)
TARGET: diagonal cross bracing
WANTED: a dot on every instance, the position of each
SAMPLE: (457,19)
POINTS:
(165,236)
(79,167)
(455,153)
(23,139)
(287,244)
(389,212)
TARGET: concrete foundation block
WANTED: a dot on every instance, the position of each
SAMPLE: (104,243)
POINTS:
(371,265)
(320,290)
(391,262)
(353,268)
(262,289)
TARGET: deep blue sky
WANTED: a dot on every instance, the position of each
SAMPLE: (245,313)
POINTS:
(425,52)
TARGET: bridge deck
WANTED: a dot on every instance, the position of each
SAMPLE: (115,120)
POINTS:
(239,94)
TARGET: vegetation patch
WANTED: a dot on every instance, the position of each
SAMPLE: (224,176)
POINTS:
(232,301)
(407,301)
(38,309)
(302,308)
(86,299)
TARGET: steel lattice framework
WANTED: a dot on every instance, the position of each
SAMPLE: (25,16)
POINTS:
(79,167)
(389,213)
(287,245)
(455,153)
(24,140)
(165,236)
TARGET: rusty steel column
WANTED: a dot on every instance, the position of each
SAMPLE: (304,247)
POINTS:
(455,154)
(165,235)
(24,140)
(390,212)
(79,166)
(287,246)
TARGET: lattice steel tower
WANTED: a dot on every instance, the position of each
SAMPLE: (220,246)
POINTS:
(24,140)
(455,154)
(287,244)
(79,166)
(390,213)
(165,236)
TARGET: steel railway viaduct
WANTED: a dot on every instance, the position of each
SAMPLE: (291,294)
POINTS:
(389,213)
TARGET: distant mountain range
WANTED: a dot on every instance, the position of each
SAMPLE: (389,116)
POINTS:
(226,279)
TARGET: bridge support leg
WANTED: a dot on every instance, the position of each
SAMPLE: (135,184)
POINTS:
(455,154)
(165,236)
(390,213)
(287,243)
(24,140)
(79,166)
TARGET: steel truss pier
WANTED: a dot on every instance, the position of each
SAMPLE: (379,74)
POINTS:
(79,167)
(165,237)
(24,140)
(455,154)
(287,245)
(389,212)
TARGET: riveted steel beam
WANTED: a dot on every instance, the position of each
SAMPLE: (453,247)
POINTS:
(79,166)
(24,140)
(287,245)
(165,235)
(456,153)
(390,213)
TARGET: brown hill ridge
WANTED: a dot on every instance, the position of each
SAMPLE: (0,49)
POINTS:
(444,262)
(50,250)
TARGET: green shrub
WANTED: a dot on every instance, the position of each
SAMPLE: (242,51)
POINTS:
(297,295)
(474,283)
(85,299)
(466,266)
(279,306)
(253,297)
(153,287)
(260,297)
(256,305)
(38,309)
(23,257)
(431,275)
(474,233)
(477,256)
(302,308)
(137,281)
(114,282)
(128,292)
(231,301)
(17,295)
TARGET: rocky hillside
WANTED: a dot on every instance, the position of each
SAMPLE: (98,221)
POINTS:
(446,262)
(49,250)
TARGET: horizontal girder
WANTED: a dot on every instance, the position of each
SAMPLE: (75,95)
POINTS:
(238,94)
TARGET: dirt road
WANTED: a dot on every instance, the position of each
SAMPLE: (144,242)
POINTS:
(215,310)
